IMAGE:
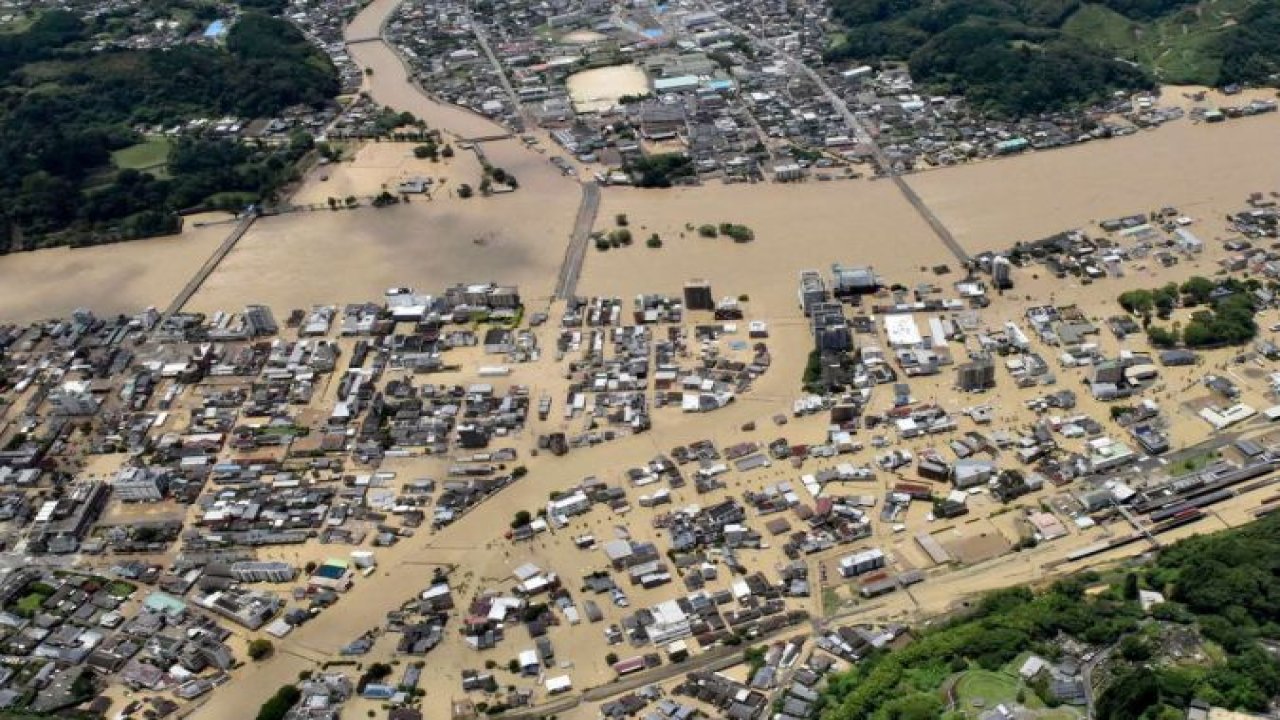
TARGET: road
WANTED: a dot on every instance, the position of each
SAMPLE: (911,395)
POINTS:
(858,127)
(184,296)
(576,253)
(1086,673)
(483,39)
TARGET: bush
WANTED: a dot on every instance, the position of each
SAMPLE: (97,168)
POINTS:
(375,673)
(654,241)
(707,231)
(621,220)
(278,705)
(260,649)
(739,233)
(611,659)
(465,191)
(812,368)
(522,518)
(1162,337)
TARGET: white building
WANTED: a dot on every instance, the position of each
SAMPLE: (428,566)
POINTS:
(263,571)
(863,562)
(902,331)
(73,398)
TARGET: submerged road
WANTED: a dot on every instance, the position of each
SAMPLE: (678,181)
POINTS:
(859,128)
(575,255)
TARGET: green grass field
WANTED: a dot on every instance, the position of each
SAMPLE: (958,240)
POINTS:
(1193,463)
(991,687)
(30,604)
(149,155)
(1180,48)
(120,588)
(994,688)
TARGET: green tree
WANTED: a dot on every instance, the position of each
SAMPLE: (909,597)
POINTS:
(916,706)
(260,649)
(1197,290)
(1138,302)
(279,704)
(1131,589)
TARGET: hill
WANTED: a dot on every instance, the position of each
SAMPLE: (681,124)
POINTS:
(65,108)
(1018,57)
(1208,641)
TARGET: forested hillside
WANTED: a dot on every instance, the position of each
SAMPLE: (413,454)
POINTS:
(1016,57)
(64,108)
(1223,596)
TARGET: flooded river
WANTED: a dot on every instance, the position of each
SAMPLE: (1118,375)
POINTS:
(389,84)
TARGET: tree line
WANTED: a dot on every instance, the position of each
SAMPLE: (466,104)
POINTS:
(1226,317)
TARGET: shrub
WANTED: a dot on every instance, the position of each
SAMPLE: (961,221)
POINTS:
(278,705)
(260,649)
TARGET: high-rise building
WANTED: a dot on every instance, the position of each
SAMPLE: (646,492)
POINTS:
(259,321)
(812,290)
(1001,272)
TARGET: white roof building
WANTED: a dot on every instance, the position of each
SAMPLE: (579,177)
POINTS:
(902,330)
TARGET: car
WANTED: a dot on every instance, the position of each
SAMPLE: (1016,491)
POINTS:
(620,598)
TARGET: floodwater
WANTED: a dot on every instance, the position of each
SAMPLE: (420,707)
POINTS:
(797,227)
(119,278)
(1195,167)
(600,88)
(324,256)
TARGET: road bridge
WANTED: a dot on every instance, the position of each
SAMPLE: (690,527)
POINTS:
(860,130)
(575,254)
(184,296)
